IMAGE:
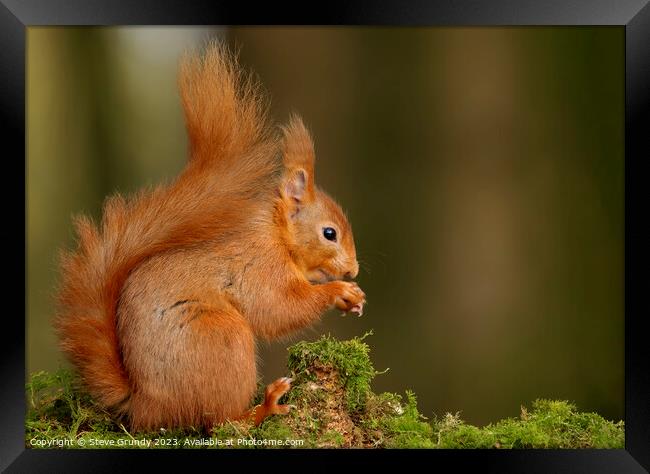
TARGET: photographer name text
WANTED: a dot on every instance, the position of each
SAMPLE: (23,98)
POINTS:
(159,442)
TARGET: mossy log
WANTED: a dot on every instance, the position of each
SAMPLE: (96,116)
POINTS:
(333,407)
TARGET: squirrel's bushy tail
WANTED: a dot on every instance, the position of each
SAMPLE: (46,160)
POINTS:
(233,168)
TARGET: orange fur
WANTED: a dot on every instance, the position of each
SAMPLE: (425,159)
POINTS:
(160,305)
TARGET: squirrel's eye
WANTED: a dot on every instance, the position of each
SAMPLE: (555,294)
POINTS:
(329,234)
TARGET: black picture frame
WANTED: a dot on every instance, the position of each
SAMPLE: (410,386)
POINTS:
(633,15)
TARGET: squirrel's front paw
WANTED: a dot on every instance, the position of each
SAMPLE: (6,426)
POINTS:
(348,297)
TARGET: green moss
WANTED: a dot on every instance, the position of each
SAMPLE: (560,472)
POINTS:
(332,439)
(349,358)
(550,424)
(333,407)
(393,424)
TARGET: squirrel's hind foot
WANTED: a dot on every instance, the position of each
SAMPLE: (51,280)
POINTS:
(274,392)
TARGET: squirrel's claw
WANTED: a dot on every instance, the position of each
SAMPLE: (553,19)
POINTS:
(357,309)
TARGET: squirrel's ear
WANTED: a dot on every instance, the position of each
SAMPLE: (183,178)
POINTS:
(294,189)
(298,157)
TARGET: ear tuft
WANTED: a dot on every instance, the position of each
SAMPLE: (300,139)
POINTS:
(298,158)
(298,146)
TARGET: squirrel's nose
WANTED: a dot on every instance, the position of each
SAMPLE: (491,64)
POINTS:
(351,275)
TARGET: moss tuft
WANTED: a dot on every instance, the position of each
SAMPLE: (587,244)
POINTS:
(349,359)
(391,423)
(550,424)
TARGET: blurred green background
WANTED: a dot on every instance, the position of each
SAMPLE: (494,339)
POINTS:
(482,170)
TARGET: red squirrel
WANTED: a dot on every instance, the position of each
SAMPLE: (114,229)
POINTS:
(160,305)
